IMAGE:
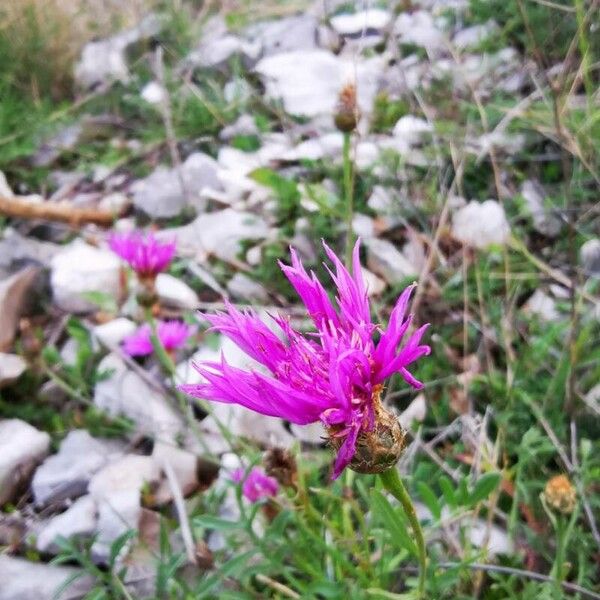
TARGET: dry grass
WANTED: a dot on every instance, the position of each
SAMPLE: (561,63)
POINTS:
(40,40)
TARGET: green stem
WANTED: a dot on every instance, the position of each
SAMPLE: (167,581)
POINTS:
(393,484)
(348,198)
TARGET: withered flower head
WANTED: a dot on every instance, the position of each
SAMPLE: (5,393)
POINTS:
(560,494)
(346,112)
(281,465)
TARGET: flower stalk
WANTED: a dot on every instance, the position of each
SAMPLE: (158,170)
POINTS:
(393,484)
(348,197)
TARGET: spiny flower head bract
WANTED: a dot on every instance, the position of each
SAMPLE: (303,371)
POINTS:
(334,375)
(144,253)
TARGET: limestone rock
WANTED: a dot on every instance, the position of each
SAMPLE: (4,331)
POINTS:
(22,448)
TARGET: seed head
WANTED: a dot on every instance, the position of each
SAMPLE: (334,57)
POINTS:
(347,113)
(560,494)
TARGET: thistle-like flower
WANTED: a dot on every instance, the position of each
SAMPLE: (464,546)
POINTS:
(171,334)
(335,375)
(145,254)
(256,484)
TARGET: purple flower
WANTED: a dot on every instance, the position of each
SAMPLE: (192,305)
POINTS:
(256,484)
(145,254)
(334,375)
(172,335)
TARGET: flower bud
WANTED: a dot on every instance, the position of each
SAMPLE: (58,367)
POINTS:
(346,113)
(281,465)
(560,494)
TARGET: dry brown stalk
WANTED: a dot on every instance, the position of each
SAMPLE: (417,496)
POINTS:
(55,211)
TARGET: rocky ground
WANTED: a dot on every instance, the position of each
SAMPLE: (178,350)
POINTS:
(463,181)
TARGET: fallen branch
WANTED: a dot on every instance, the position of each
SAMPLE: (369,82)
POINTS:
(55,211)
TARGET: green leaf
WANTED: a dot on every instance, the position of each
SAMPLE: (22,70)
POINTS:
(230,568)
(448,491)
(485,485)
(430,499)
(216,523)
(392,520)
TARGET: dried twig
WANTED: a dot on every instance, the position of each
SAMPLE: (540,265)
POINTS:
(63,212)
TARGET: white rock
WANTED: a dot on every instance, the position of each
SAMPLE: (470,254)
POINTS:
(80,269)
(104,60)
(5,189)
(237,90)
(419,28)
(80,520)
(185,468)
(326,146)
(118,512)
(415,411)
(481,224)
(298,32)
(475,35)
(244,125)
(129,473)
(241,286)
(218,233)
(544,221)
(25,580)
(67,474)
(309,82)
(175,293)
(22,448)
(12,366)
(115,203)
(114,332)
(160,195)
(124,392)
(374,284)
(498,540)
(15,293)
(363,226)
(314,433)
(386,260)
(361,22)
(154,93)
(542,305)
(412,130)
(590,257)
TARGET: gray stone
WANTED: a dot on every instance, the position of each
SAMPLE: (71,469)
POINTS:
(161,195)
(125,393)
(475,35)
(419,28)
(362,22)
(590,257)
(80,269)
(544,220)
(105,60)
(25,580)
(130,472)
(78,520)
(218,233)
(309,81)
(12,366)
(218,47)
(244,125)
(67,474)
(15,296)
(175,293)
(481,224)
(185,468)
(543,306)
(114,332)
(22,448)
(386,260)
(5,189)
(298,32)
(244,288)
